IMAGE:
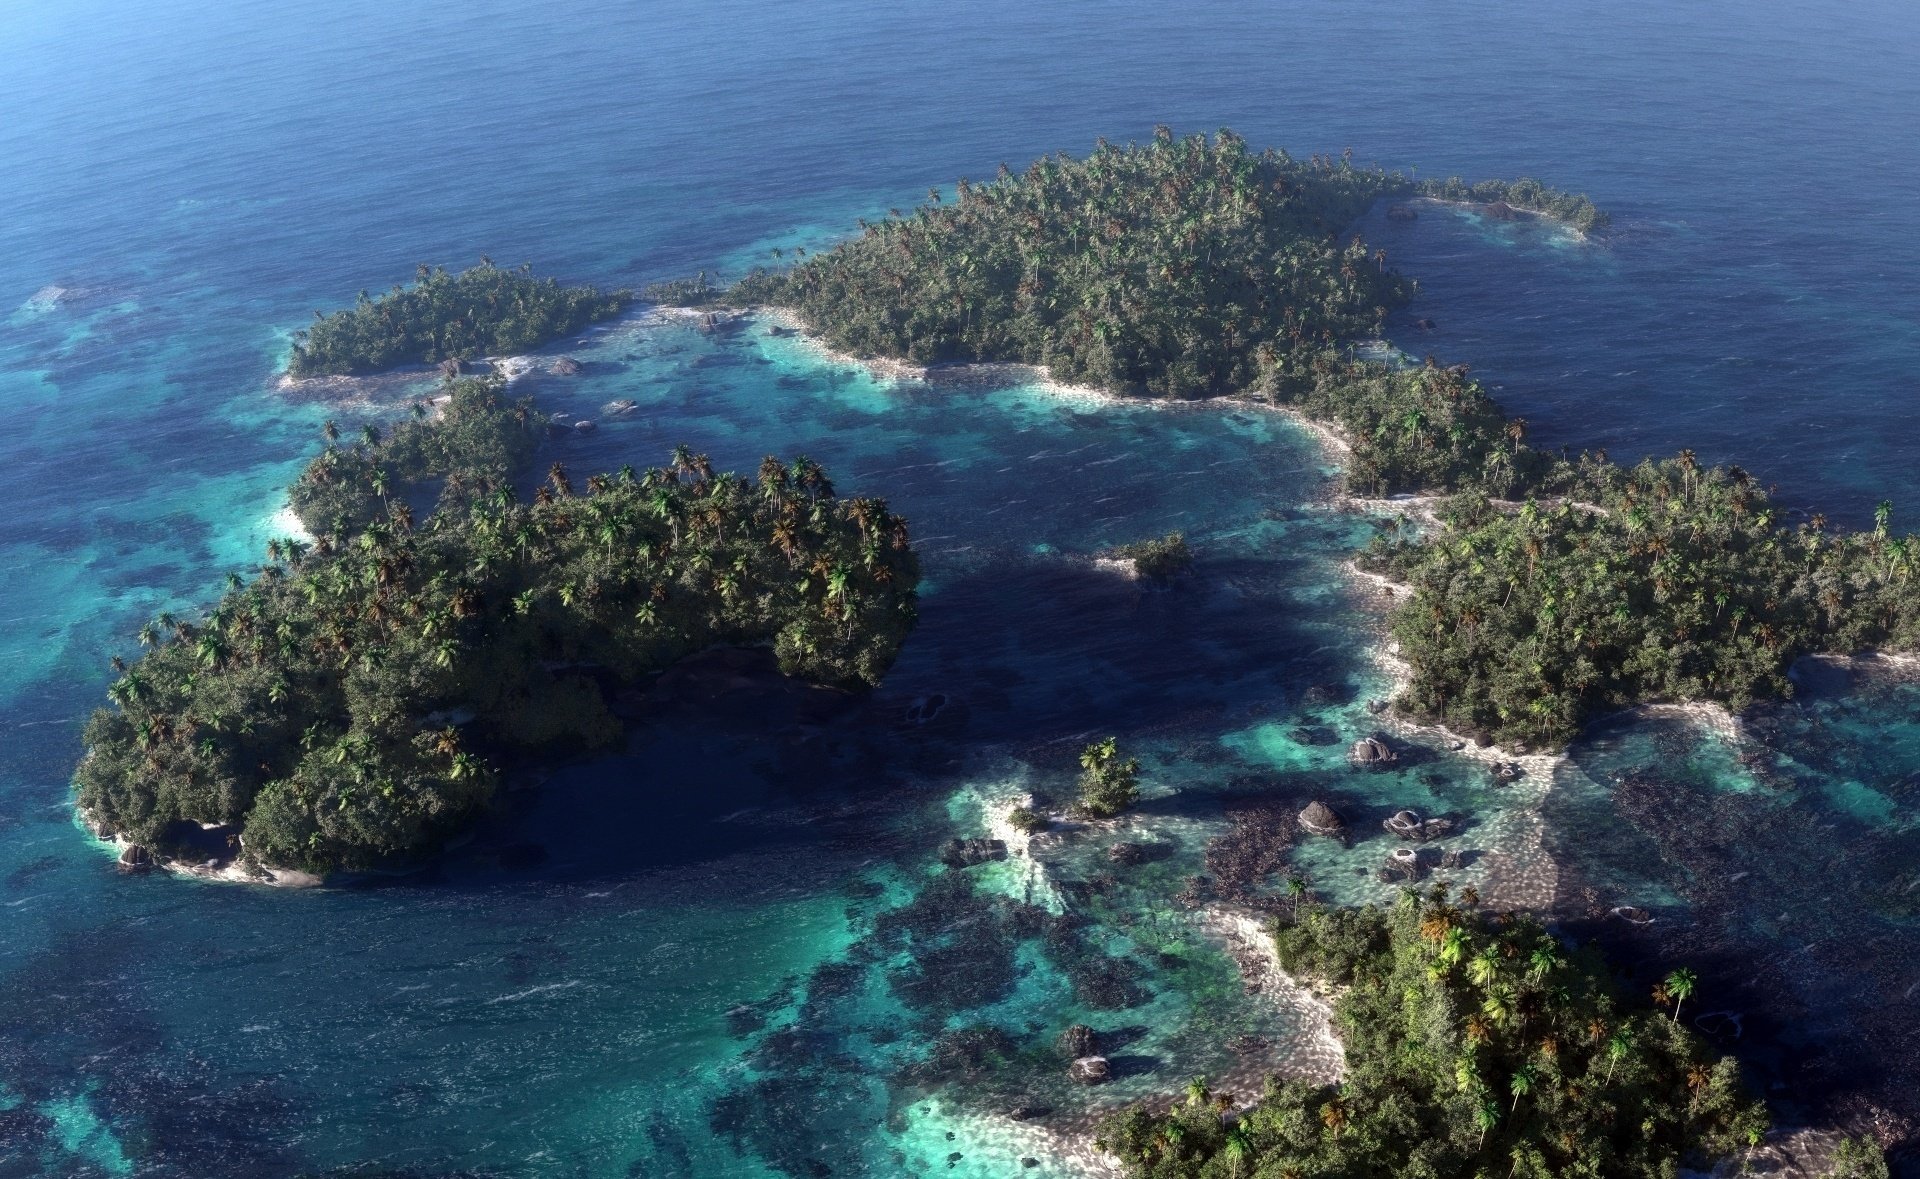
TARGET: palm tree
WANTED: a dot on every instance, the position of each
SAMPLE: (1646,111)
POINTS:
(1618,1048)
(1333,1117)
(1487,1117)
(1485,966)
(1522,1083)
(1296,889)
(1197,1092)
(1239,1148)
(1680,985)
(1545,959)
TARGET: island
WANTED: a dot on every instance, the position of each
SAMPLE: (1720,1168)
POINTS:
(1547,590)
(443,318)
(353,704)
(1473,1046)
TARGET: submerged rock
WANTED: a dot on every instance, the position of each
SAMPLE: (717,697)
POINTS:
(566,366)
(619,407)
(1090,1070)
(1078,1041)
(965,853)
(1403,863)
(1402,213)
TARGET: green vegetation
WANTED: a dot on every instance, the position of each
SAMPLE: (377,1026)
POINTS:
(1525,194)
(484,311)
(1667,581)
(1409,429)
(1158,559)
(1109,784)
(1023,818)
(348,706)
(1473,1048)
(1171,269)
(474,446)
(1858,1158)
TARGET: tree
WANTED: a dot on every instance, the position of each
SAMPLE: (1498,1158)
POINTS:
(1680,986)
(1857,1158)
(1521,1084)
(1619,1047)
(1109,784)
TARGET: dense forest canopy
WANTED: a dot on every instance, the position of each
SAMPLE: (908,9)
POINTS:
(1667,581)
(472,447)
(1473,1048)
(483,311)
(351,703)
(1163,269)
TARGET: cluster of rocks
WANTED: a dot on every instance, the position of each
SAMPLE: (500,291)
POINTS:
(1409,825)
(1506,772)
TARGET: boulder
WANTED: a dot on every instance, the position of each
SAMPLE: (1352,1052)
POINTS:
(1090,1070)
(1403,862)
(1402,213)
(136,858)
(1632,915)
(1506,772)
(1320,819)
(1501,211)
(585,427)
(619,407)
(965,853)
(1078,1041)
(452,367)
(566,366)
(1371,751)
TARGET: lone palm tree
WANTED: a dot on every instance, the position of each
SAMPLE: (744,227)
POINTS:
(1680,985)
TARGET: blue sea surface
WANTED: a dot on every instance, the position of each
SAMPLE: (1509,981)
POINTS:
(728,951)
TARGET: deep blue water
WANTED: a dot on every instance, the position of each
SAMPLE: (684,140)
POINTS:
(199,178)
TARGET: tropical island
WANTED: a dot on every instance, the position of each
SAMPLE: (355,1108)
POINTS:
(353,704)
(1473,1046)
(448,318)
(1552,590)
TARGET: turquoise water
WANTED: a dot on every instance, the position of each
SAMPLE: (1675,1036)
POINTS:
(731,951)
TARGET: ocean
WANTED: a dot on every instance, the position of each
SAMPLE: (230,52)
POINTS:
(729,950)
